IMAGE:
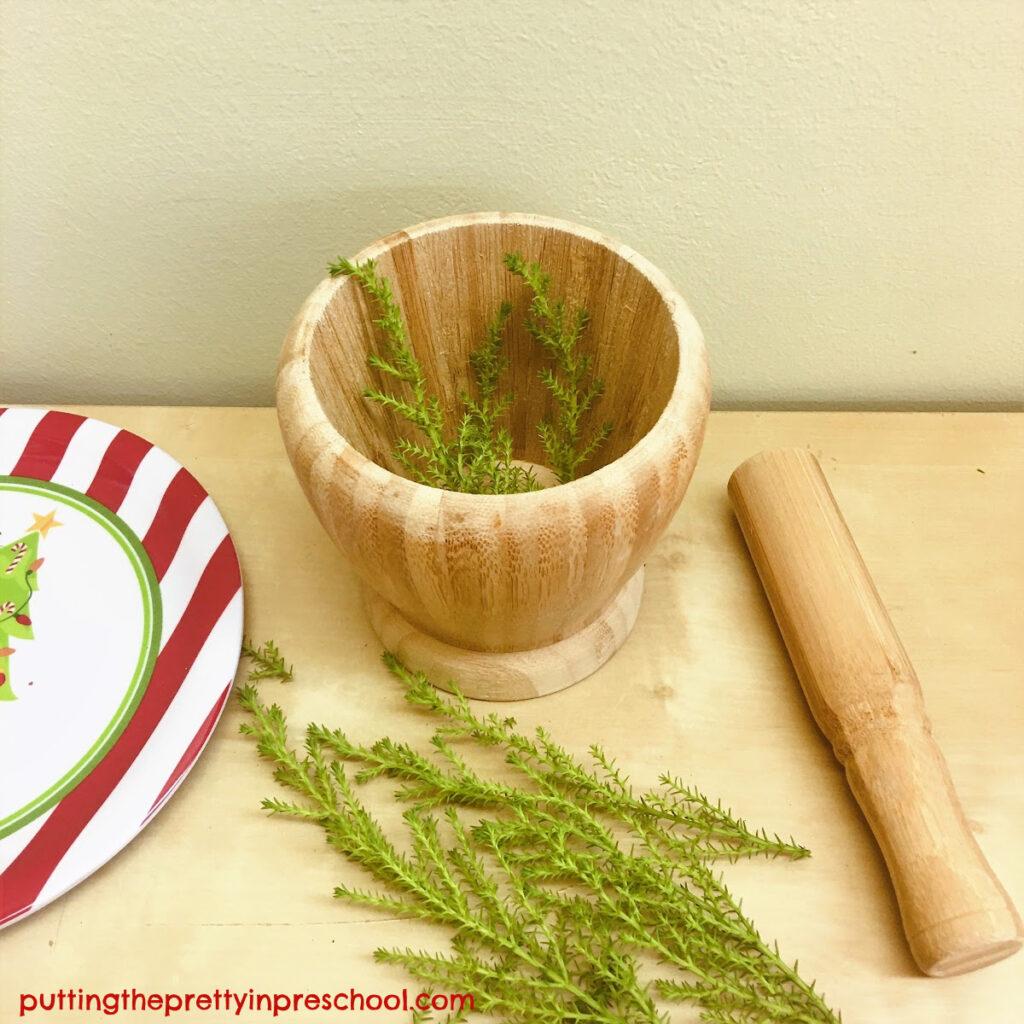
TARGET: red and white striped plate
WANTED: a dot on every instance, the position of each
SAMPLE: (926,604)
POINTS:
(120,630)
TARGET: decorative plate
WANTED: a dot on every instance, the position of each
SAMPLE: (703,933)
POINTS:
(120,630)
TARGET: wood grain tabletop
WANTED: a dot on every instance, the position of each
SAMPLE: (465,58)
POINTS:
(215,895)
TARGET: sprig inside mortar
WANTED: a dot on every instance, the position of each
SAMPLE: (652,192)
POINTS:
(479,457)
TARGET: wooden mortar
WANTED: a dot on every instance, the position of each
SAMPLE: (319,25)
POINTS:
(511,595)
(865,696)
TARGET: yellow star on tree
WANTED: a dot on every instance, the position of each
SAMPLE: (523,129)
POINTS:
(43,524)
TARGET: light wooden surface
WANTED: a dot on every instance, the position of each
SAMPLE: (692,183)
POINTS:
(212,894)
(516,595)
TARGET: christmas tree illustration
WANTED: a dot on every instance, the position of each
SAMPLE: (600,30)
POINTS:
(19,578)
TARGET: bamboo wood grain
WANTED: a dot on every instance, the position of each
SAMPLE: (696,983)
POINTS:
(515,595)
(865,696)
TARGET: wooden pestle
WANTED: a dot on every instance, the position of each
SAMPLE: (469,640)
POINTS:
(866,698)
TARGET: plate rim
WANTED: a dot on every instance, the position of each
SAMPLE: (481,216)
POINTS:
(229,620)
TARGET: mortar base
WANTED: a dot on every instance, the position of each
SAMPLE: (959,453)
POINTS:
(511,675)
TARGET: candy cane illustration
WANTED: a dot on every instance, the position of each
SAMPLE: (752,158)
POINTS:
(18,580)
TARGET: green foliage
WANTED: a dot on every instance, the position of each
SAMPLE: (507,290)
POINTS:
(268,662)
(490,469)
(479,458)
(559,890)
(572,384)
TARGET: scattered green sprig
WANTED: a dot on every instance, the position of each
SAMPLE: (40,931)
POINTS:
(267,662)
(561,889)
(479,458)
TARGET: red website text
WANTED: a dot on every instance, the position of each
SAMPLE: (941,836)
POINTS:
(167,1004)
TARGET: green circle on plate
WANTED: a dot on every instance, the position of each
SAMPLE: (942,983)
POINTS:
(152,611)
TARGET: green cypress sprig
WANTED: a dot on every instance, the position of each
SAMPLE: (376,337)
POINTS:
(478,459)
(431,463)
(483,444)
(562,893)
(571,382)
(267,660)
(504,953)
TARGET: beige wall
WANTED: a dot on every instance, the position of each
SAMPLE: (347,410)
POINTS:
(838,187)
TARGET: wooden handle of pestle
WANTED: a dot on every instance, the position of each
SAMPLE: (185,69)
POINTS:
(865,696)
